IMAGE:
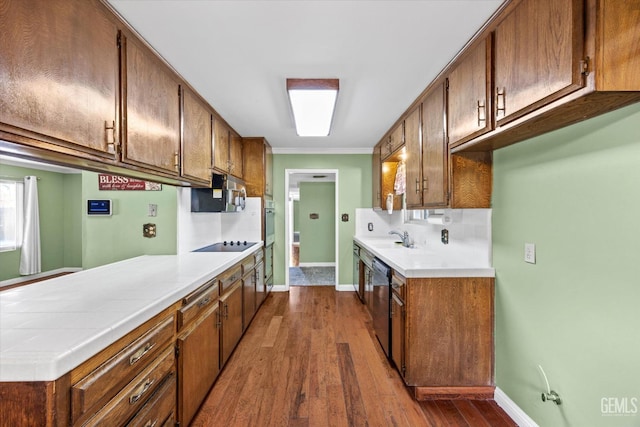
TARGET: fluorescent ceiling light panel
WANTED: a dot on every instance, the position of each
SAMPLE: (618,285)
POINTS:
(313,102)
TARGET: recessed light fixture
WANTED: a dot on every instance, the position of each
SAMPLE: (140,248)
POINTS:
(313,102)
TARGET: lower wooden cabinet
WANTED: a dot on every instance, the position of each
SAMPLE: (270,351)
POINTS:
(160,409)
(198,362)
(231,314)
(446,335)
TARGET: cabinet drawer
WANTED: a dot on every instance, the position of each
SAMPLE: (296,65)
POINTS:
(248,264)
(398,285)
(160,407)
(197,303)
(133,396)
(120,368)
(229,277)
(259,256)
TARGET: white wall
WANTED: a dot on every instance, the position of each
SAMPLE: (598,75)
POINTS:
(199,229)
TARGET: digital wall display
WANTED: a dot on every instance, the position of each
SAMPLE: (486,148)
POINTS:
(99,207)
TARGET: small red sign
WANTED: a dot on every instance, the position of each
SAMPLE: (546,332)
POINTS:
(116,182)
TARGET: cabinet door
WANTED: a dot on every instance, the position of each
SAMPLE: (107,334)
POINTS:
(394,141)
(413,144)
(248,298)
(196,138)
(538,49)
(235,155)
(59,74)
(221,145)
(470,95)
(198,363)
(261,291)
(268,172)
(151,109)
(434,150)
(376,176)
(231,312)
(397,333)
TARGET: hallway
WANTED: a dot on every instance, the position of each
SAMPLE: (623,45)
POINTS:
(310,359)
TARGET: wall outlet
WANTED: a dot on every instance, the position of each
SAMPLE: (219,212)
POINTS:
(530,253)
(153,209)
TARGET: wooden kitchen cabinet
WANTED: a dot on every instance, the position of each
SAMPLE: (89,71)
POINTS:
(248,291)
(376,176)
(231,315)
(198,361)
(393,141)
(160,409)
(59,74)
(150,109)
(227,149)
(197,138)
(257,158)
(448,336)
(413,155)
(427,153)
(397,332)
(469,94)
(538,54)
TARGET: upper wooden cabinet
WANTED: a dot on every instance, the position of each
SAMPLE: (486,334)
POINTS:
(376,177)
(426,154)
(538,54)
(435,153)
(469,94)
(197,139)
(227,149)
(413,145)
(59,85)
(235,155)
(392,142)
(258,166)
(150,109)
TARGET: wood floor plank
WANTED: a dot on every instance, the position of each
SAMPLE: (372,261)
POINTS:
(310,358)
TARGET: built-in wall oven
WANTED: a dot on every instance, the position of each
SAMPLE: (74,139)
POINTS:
(381,303)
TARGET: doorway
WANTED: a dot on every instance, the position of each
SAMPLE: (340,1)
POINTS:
(311,227)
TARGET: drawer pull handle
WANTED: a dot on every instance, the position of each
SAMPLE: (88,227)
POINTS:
(140,391)
(140,353)
(204,302)
(151,424)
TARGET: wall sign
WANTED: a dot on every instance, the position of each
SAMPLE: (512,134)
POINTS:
(116,182)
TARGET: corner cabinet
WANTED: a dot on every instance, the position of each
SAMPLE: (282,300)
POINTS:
(59,74)
(150,109)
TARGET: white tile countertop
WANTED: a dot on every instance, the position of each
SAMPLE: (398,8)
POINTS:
(50,327)
(427,262)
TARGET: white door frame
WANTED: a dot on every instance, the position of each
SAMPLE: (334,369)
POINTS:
(288,220)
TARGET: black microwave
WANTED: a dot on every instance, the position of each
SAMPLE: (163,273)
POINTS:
(226,195)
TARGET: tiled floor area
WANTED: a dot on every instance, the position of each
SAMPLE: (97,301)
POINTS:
(312,276)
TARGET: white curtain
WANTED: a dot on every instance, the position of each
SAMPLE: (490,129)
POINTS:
(30,254)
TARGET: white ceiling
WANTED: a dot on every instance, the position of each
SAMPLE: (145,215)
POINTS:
(238,54)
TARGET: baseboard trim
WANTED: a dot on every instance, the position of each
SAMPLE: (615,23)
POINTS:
(317,264)
(453,393)
(512,409)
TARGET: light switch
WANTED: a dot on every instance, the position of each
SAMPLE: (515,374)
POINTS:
(153,209)
(530,253)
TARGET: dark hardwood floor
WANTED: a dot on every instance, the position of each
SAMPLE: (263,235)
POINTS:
(310,358)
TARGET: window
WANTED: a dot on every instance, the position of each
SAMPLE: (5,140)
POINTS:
(11,215)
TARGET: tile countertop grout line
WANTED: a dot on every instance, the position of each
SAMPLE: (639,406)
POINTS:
(46,365)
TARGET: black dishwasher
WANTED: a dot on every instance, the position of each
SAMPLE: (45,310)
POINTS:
(381,303)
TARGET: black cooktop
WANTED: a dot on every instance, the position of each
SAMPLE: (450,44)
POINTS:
(227,246)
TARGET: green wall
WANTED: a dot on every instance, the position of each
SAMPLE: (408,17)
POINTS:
(575,312)
(354,191)
(57,194)
(317,236)
(296,215)
(114,238)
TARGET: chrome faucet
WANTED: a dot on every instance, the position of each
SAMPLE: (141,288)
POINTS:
(406,241)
